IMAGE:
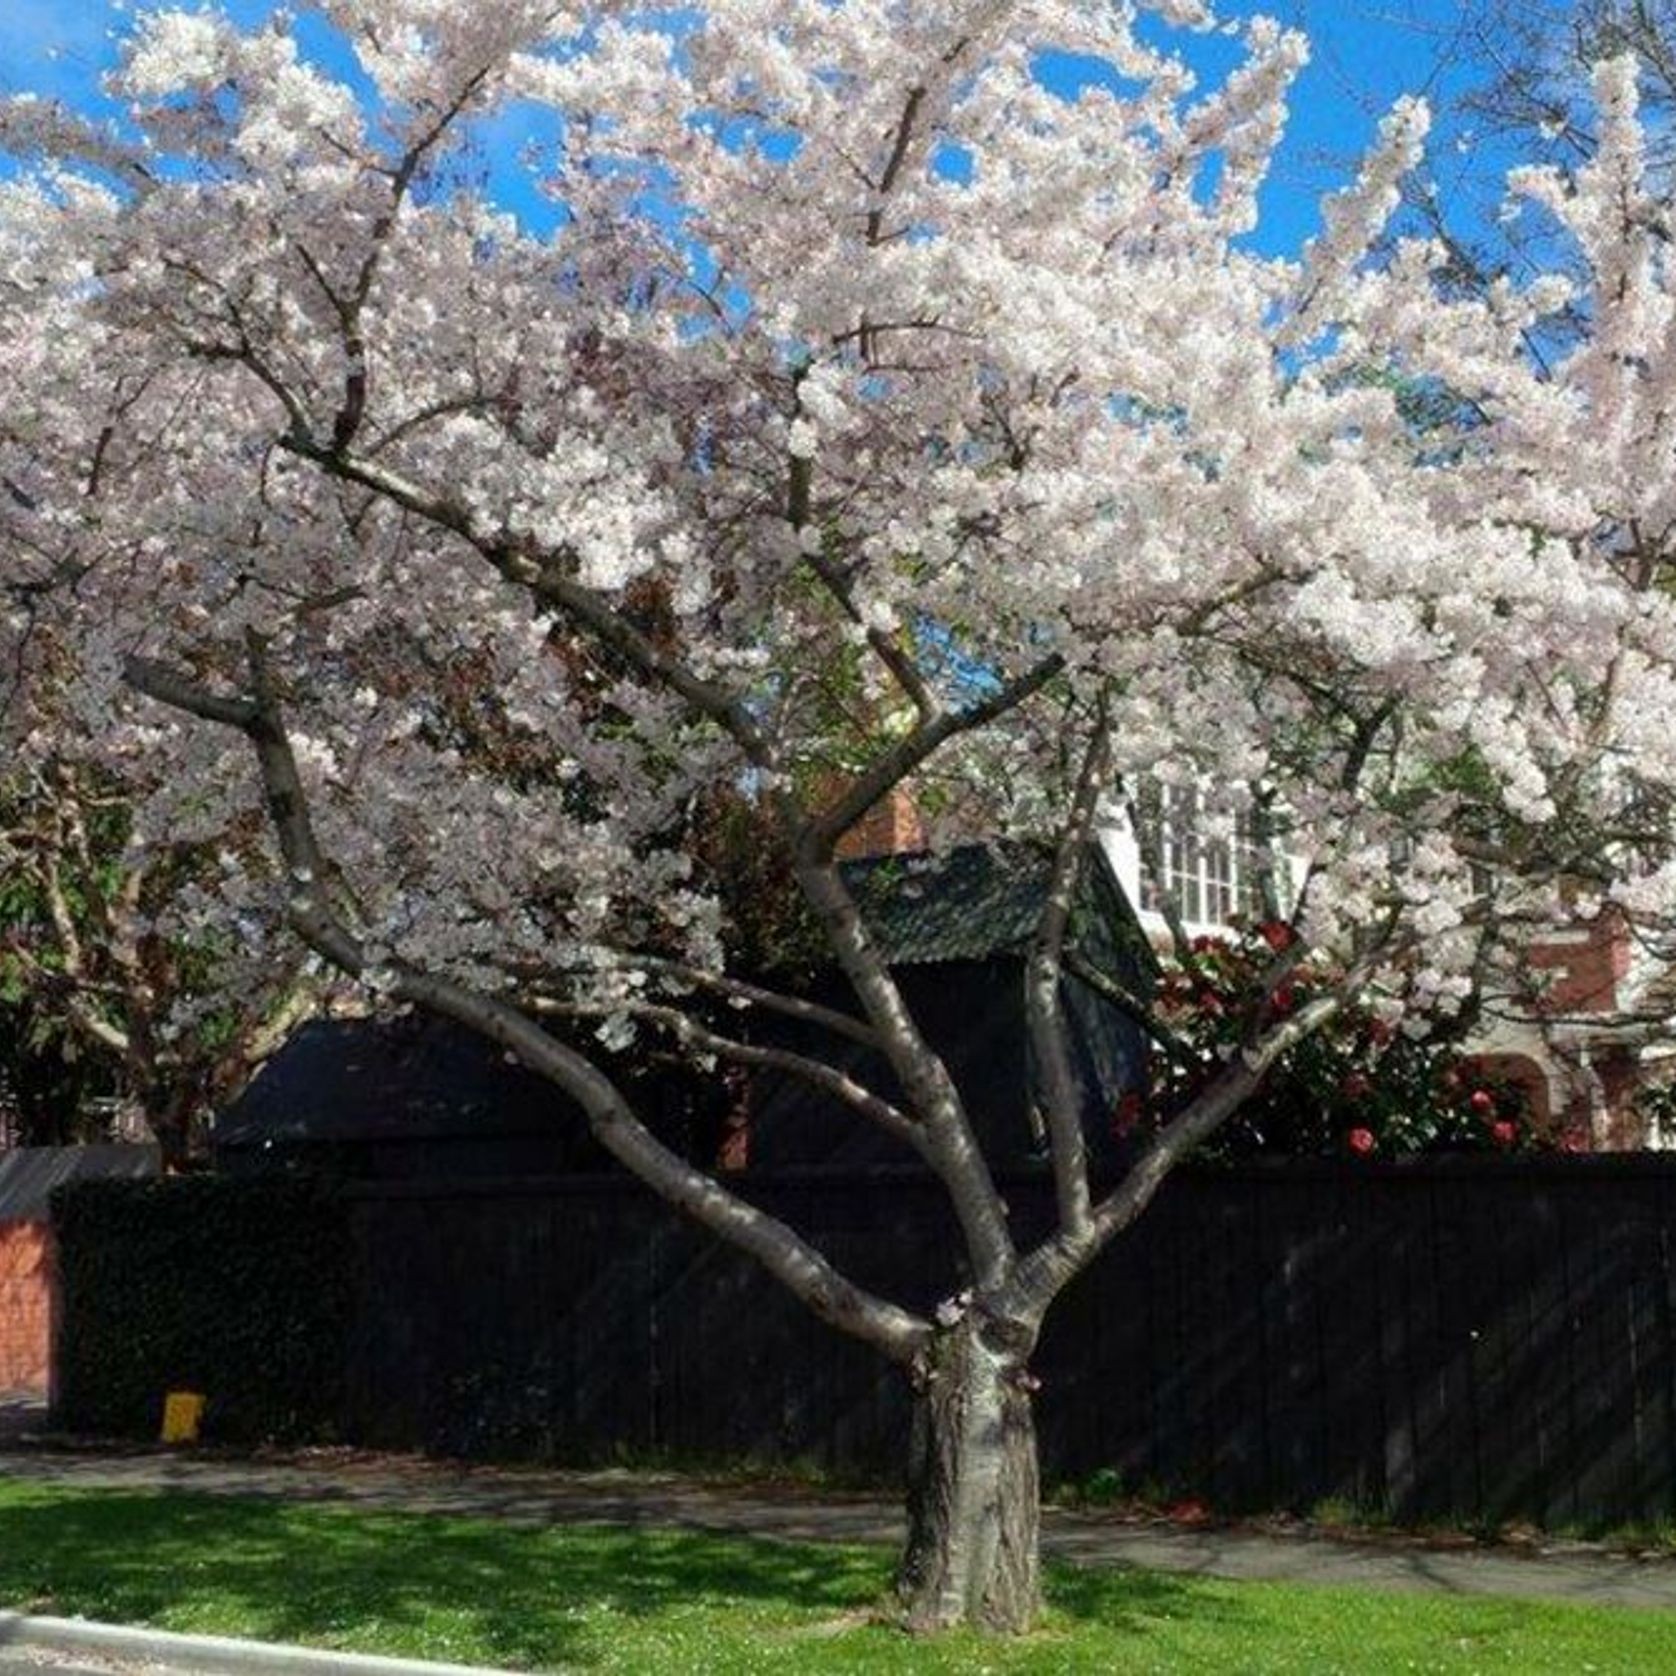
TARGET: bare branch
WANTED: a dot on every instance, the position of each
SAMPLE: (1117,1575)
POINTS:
(897,1332)
(1045,1270)
(76,998)
(949,1143)
(898,662)
(810,1012)
(181,692)
(1108,988)
(699,1038)
(350,305)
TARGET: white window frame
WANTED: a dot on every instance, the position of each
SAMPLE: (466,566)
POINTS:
(1209,880)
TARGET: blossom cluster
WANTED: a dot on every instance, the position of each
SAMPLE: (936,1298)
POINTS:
(861,374)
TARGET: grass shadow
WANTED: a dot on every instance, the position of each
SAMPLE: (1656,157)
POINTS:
(351,1578)
(578,1596)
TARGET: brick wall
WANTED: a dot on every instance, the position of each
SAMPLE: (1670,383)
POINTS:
(25,1306)
(1581,967)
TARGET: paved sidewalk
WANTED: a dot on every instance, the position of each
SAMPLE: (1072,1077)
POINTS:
(534,1497)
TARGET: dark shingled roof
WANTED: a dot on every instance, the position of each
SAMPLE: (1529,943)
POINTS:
(29,1174)
(983,900)
(403,1078)
(420,1078)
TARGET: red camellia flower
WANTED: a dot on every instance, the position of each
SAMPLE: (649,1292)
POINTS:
(1483,1101)
(1285,998)
(1361,1141)
(1356,1086)
(1277,934)
(1503,1133)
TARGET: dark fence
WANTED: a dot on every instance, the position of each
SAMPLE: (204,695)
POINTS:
(1475,1338)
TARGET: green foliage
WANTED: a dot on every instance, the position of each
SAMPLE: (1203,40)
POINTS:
(1102,1487)
(1358,1086)
(52,1085)
(237,1289)
(739,855)
(67,860)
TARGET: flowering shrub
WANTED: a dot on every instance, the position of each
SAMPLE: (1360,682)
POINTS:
(1358,1087)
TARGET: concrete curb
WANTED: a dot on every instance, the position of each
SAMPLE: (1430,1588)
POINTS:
(219,1654)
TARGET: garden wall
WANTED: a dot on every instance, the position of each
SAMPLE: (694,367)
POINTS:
(25,1308)
(1475,1338)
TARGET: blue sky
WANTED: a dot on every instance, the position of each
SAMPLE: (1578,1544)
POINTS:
(1365,53)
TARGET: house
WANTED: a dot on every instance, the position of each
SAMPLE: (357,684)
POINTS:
(1585,1035)
(1589,1034)
(956,928)
(416,1096)
(28,1176)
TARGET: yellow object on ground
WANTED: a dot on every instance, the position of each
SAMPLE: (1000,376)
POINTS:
(183,1413)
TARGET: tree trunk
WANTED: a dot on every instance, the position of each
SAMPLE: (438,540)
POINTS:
(170,1117)
(974,1501)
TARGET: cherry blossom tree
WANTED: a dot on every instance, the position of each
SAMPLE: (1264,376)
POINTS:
(1523,71)
(1536,61)
(861,414)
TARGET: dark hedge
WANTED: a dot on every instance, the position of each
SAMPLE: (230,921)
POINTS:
(238,1289)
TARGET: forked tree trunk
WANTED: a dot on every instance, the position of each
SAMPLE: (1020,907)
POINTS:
(974,1502)
(168,1117)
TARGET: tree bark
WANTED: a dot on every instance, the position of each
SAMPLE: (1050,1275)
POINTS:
(175,1151)
(974,1500)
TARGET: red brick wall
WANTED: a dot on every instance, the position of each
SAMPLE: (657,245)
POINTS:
(1582,966)
(25,1306)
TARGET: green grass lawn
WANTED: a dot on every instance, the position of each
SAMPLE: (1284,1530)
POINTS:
(650,1601)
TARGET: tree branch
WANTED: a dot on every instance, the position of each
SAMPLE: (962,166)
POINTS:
(897,1332)
(771,1000)
(542,574)
(819,836)
(1042,1274)
(949,1144)
(700,1038)
(898,663)
(1109,989)
(351,307)
(1043,1002)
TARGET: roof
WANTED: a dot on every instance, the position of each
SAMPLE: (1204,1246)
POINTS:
(983,900)
(407,1078)
(29,1174)
(419,1078)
